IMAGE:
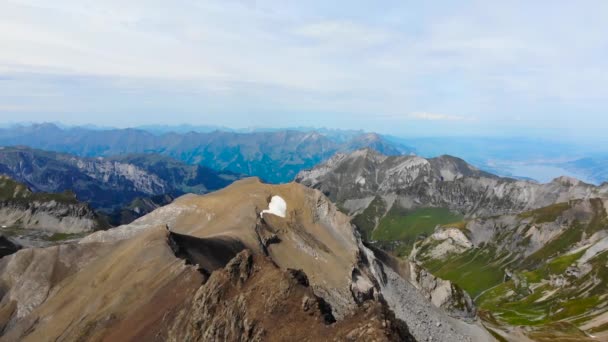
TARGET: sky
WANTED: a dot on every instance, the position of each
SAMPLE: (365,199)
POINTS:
(410,68)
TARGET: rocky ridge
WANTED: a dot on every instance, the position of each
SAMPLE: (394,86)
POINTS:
(355,180)
(312,260)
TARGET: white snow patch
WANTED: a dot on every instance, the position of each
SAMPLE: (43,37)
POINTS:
(277,206)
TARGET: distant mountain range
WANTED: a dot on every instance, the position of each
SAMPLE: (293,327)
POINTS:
(275,156)
(354,180)
(136,183)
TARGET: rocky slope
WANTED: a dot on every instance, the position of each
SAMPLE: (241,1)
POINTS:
(275,156)
(369,183)
(110,183)
(545,270)
(214,267)
(20,208)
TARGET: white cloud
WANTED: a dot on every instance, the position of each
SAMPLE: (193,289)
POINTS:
(439,117)
(343,33)
(485,59)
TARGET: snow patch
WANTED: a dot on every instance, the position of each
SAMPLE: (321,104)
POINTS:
(277,206)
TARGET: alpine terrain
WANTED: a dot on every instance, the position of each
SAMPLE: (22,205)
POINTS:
(251,262)
(533,256)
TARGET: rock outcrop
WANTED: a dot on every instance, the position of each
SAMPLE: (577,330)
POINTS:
(53,212)
(443,293)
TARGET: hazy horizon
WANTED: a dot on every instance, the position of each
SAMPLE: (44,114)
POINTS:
(406,69)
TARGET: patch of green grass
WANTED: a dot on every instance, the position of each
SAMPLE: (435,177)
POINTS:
(557,245)
(600,218)
(64,236)
(561,263)
(475,271)
(462,225)
(407,225)
(546,214)
(11,190)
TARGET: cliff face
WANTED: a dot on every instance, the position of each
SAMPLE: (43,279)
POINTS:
(61,213)
(211,267)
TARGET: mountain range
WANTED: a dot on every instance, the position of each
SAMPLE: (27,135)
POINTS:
(532,255)
(124,187)
(371,184)
(275,156)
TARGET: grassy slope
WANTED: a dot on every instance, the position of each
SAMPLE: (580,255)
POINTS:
(405,226)
(530,300)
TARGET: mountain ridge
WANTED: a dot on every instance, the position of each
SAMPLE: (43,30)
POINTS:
(353,180)
(109,183)
(275,156)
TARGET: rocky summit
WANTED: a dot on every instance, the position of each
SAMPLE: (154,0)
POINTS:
(211,267)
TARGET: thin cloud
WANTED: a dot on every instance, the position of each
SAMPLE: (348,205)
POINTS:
(439,117)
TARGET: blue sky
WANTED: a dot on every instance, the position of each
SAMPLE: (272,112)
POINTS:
(402,67)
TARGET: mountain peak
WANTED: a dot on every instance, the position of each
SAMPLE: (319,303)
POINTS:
(568,181)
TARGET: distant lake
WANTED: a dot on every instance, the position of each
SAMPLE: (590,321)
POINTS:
(540,172)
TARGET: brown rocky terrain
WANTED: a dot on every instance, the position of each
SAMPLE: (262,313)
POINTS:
(212,268)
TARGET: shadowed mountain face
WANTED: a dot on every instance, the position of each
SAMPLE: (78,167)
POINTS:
(207,268)
(273,156)
(133,184)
